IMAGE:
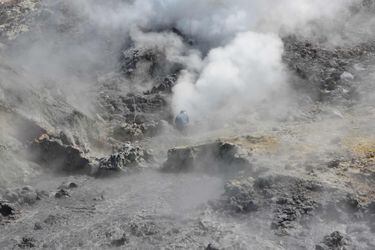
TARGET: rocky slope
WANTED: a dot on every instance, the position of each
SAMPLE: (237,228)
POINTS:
(114,173)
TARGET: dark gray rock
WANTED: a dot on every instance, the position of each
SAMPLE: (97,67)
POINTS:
(27,242)
(133,58)
(120,242)
(289,198)
(68,185)
(180,160)
(38,226)
(62,193)
(334,164)
(165,86)
(7,209)
(53,219)
(334,241)
(212,247)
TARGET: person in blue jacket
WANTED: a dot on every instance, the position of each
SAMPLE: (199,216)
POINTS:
(182,120)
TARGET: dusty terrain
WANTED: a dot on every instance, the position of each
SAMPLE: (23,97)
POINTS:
(90,158)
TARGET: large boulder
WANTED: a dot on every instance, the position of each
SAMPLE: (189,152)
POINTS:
(217,157)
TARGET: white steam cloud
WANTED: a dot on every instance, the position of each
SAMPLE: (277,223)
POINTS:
(235,61)
(247,71)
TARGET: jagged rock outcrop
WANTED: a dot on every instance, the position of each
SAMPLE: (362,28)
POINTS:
(289,198)
(135,131)
(54,154)
(15,16)
(241,195)
(325,73)
(26,243)
(165,86)
(369,4)
(151,61)
(134,108)
(128,132)
(335,241)
(128,158)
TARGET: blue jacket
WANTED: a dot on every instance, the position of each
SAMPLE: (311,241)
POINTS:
(182,120)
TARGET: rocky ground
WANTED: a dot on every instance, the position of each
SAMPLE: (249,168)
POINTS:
(125,178)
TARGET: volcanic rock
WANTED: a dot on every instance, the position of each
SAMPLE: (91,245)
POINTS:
(51,152)
(324,73)
(62,193)
(25,195)
(120,242)
(128,157)
(219,157)
(334,241)
(68,185)
(290,198)
(27,242)
(7,209)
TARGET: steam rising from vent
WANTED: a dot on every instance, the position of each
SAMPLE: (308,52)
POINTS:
(233,64)
(234,78)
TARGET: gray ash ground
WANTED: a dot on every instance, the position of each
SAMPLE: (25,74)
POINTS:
(125,178)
